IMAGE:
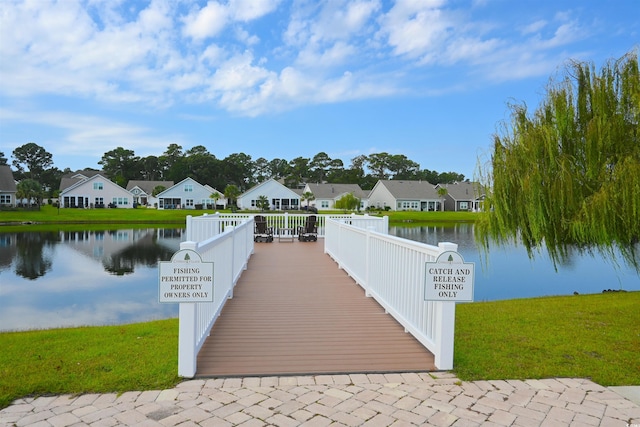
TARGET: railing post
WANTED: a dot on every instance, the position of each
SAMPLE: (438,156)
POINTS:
(367,261)
(445,318)
(189,225)
(233,259)
(187,327)
(187,340)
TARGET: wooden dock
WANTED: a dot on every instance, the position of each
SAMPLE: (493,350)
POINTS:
(294,312)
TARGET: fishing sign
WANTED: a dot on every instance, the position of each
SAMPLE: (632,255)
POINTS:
(186,278)
(449,278)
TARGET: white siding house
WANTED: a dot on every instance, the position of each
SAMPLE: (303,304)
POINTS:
(7,187)
(93,192)
(279,196)
(142,191)
(189,194)
(403,195)
(326,195)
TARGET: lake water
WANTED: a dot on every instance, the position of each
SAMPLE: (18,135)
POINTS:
(58,279)
(508,272)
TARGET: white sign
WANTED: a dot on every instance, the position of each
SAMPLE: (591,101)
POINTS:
(186,278)
(449,278)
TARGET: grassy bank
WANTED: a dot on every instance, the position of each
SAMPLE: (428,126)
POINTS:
(590,336)
(587,336)
(51,215)
(141,356)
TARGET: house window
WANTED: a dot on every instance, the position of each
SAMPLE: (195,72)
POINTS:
(188,202)
(464,206)
(120,201)
(324,204)
(99,203)
(408,205)
(5,199)
(188,188)
(98,186)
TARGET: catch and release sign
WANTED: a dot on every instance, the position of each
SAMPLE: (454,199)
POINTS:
(186,278)
(449,278)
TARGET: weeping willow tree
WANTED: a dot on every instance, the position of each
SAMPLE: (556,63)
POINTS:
(568,175)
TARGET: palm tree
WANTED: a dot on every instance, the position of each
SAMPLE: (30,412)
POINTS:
(231,192)
(442,192)
(308,196)
(29,189)
(262,202)
(215,196)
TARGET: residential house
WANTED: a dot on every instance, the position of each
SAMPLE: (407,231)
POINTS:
(462,196)
(143,191)
(89,189)
(190,194)
(279,196)
(7,187)
(401,195)
(326,195)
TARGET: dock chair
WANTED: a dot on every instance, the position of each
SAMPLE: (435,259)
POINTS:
(308,232)
(262,232)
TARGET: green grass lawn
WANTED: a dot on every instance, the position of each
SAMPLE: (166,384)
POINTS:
(586,336)
(50,214)
(140,356)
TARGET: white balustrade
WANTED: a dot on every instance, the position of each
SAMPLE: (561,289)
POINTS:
(229,250)
(392,270)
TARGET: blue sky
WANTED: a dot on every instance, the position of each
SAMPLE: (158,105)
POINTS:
(429,79)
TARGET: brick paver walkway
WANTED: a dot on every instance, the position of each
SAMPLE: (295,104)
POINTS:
(376,400)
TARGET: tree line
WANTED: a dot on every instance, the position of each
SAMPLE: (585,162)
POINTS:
(120,165)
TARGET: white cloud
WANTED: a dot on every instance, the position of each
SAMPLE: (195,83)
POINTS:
(167,53)
(418,29)
(248,10)
(332,56)
(534,27)
(87,135)
(206,22)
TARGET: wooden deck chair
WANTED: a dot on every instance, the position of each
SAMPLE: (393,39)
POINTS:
(309,231)
(262,232)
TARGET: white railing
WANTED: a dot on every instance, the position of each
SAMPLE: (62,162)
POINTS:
(392,270)
(228,245)
(205,226)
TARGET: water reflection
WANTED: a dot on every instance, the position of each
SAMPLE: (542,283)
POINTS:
(72,278)
(32,252)
(507,271)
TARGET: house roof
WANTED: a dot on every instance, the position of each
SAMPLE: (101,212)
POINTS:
(331,191)
(73,178)
(148,186)
(463,190)
(266,183)
(79,181)
(7,183)
(410,190)
(170,189)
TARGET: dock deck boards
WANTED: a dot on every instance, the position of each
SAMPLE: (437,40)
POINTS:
(294,312)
